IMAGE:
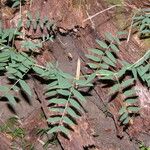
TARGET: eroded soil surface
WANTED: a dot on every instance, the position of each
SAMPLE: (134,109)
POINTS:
(74,34)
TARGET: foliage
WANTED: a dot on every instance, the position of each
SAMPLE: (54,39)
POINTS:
(8,35)
(16,3)
(64,91)
(143,147)
(12,128)
(63,96)
(17,66)
(36,22)
(61,86)
(105,61)
(142,22)
(53,140)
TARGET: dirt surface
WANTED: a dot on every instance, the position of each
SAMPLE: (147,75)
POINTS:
(95,130)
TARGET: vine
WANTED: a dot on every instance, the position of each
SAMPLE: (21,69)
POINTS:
(105,64)
(64,91)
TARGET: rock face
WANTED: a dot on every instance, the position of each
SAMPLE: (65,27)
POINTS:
(70,16)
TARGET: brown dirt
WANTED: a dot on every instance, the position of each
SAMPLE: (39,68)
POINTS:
(95,129)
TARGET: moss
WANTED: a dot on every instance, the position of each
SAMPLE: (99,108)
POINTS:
(114,2)
(78,3)
(120,20)
(146,43)
(120,17)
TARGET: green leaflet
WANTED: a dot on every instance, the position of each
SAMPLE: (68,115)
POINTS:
(91,78)
(22,68)
(126,120)
(109,36)
(25,87)
(122,32)
(54,83)
(72,113)
(19,25)
(15,88)
(102,44)
(114,48)
(28,23)
(54,119)
(63,83)
(130,100)
(4,54)
(83,83)
(111,56)
(51,93)
(104,66)
(107,78)
(93,66)
(11,70)
(63,92)
(133,108)
(105,72)
(11,99)
(75,104)
(18,74)
(4,88)
(108,61)
(115,88)
(35,24)
(52,88)
(58,101)
(96,51)
(59,129)
(123,116)
(130,93)
(37,16)
(78,95)
(38,70)
(2,68)
(16,3)
(65,75)
(4,59)
(134,72)
(68,121)
(117,40)
(93,58)
(122,110)
(55,109)
(121,72)
(127,83)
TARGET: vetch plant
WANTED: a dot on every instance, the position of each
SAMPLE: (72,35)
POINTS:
(106,64)
(64,97)
(64,91)
(142,22)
